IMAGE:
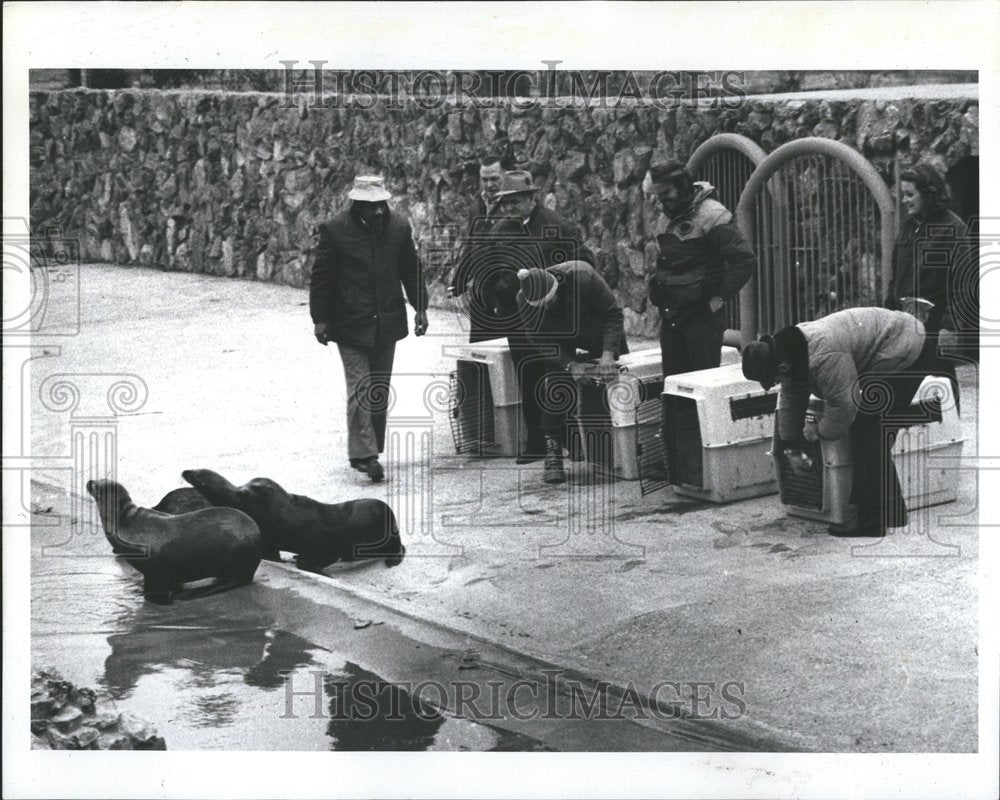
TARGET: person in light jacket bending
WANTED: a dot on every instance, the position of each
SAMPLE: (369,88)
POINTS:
(866,364)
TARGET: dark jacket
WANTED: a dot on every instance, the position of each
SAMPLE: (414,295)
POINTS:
(509,244)
(358,278)
(828,355)
(928,252)
(702,255)
(584,314)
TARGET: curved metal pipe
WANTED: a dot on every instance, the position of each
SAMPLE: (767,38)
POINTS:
(769,166)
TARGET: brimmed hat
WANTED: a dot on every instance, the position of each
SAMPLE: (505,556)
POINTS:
(369,189)
(518,181)
(760,362)
(537,285)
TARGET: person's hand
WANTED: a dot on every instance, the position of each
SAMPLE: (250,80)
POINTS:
(420,323)
(321,332)
(606,367)
(716,303)
(810,432)
(577,370)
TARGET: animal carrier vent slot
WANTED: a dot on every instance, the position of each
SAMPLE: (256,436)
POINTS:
(758,406)
(471,406)
(682,441)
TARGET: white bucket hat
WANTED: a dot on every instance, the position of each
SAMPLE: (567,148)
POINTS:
(369,188)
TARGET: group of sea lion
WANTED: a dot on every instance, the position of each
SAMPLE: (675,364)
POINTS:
(218,530)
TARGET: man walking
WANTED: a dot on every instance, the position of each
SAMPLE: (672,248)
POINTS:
(565,308)
(853,360)
(703,263)
(364,261)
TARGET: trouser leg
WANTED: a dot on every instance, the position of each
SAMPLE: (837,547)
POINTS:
(366,374)
(875,488)
(559,403)
(673,351)
(381,361)
(875,484)
(695,344)
(530,368)
(703,337)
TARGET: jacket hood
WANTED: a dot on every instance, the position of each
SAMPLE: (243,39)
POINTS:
(702,191)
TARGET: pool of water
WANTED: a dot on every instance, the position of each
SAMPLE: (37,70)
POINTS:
(233,670)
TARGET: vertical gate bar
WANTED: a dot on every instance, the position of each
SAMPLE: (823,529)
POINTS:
(855,229)
(835,241)
(824,233)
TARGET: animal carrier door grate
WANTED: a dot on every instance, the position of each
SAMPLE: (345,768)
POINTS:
(682,441)
(649,449)
(802,488)
(471,404)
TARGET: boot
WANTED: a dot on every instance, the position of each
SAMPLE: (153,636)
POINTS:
(553,472)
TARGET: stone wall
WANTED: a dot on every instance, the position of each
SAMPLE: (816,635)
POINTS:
(234,184)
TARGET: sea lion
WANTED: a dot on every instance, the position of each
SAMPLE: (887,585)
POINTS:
(172,550)
(318,533)
(182,501)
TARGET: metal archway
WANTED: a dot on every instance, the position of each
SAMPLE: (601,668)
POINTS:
(822,223)
(727,160)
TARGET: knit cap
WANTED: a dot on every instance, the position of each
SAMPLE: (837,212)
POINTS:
(537,285)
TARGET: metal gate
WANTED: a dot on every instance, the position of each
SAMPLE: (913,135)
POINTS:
(822,223)
(727,160)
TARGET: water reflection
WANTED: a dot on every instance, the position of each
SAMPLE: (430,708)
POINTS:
(284,653)
(367,713)
(240,638)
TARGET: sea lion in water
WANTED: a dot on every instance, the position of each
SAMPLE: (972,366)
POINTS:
(170,550)
(182,501)
(318,533)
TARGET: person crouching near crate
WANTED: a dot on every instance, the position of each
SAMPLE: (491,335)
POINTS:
(866,364)
(565,308)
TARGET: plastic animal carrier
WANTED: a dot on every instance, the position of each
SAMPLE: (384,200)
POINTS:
(930,429)
(612,420)
(716,429)
(484,405)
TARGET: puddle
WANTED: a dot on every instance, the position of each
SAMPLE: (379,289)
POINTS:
(283,664)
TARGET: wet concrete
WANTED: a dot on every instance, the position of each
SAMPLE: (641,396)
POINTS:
(590,576)
(293,663)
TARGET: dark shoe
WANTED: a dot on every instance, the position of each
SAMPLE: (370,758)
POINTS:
(863,526)
(533,450)
(360,464)
(375,471)
(553,472)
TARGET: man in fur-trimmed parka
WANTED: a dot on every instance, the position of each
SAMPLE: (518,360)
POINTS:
(703,263)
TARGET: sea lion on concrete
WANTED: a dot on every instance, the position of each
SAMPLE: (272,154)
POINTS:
(171,550)
(318,533)
(182,501)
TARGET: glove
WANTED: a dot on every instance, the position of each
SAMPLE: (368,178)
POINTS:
(321,333)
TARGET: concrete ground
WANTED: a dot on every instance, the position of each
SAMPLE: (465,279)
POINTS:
(832,646)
